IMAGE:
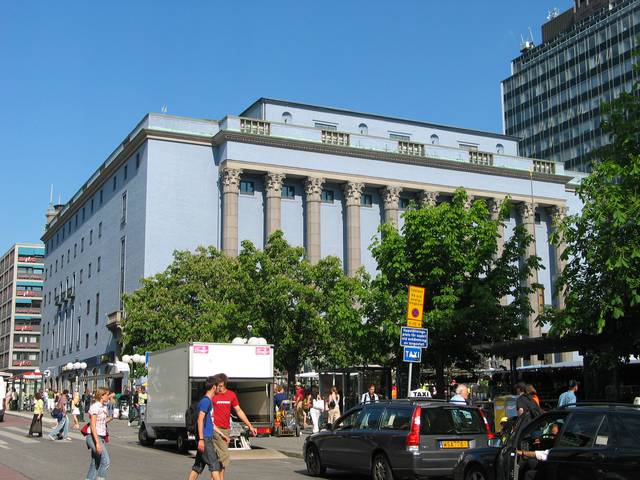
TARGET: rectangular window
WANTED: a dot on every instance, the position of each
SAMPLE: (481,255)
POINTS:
(83,214)
(68,255)
(327,196)
(436,421)
(100,230)
(137,160)
(76,220)
(61,261)
(468,146)
(97,309)
(123,218)
(86,341)
(126,171)
(99,259)
(88,306)
(81,275)
(288,191)
(82,245)
(101,192)
(89,271)
(115,183)
(75,250)
(366,200)
(404,203)
(246,187)
(403,137)
(122,268)
(326,126)
(92,205)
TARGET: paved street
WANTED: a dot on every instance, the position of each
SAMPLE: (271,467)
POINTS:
(28,458)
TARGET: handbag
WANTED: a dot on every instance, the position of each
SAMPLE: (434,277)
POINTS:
(57,413)
(85,429)
(332,405)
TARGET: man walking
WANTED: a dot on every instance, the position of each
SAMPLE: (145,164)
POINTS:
(63,421)
(206,454)
(223,401)
(370,396)
(569,397)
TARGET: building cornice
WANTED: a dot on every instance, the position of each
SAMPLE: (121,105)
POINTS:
(263,140)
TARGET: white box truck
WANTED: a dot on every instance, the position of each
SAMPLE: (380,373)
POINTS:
(176,379)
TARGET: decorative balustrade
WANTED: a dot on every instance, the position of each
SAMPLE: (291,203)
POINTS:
(332,137)
(411,148)
(543,166)
(256,127)
(480,158)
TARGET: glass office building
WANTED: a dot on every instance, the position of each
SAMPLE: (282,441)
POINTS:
(552,99)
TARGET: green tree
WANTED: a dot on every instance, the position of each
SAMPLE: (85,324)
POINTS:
(602,275)
(451,251)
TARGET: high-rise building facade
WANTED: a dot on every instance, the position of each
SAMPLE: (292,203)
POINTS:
(21,285)
(552,99)
(326,177)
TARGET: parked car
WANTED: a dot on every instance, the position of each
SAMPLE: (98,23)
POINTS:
(397,439)
(583,442)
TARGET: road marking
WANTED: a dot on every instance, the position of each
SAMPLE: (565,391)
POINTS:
(18,438)
(76,435)
(4,445)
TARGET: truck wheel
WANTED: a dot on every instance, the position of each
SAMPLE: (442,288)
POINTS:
(143,437)
(182,443)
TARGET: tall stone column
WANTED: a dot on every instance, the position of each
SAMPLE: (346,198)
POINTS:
(352,193)
(273,194)
(230,179)
(313,191)
(527,214)
(391,198)
(495,204)
(558,213)
(428,198)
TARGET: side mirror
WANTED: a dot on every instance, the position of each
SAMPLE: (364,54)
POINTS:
(495,442)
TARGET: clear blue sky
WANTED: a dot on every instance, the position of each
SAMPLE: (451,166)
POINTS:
(77,76)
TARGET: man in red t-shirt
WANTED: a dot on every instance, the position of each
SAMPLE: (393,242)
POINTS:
(223,401)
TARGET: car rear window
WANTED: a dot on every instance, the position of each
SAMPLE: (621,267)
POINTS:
(628,427)
(451,420)
(395,418)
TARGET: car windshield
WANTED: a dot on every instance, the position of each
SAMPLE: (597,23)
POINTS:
(451,420)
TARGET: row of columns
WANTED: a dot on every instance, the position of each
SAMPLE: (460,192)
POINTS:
(230,180)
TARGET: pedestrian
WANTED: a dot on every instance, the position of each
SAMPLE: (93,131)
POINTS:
(62,426)
(307,405)
(370,396)
(279,397)
(531,391)
(317,407)
(334,405)
(142,403)
(75,410)
(38,411)
(462,395)
(135,408)
(223,401)
(569,397)
(51,400)
(206,453)
(298,402)
(525,405)
(98,435)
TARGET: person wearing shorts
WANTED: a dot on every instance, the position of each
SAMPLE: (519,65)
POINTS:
(223,401)
(205,427)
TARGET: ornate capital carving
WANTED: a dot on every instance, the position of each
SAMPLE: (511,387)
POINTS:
(273,183)
(558,213)
(494,205)
(391,197)
(352,192)
(230,179)
(527,212)
(313,187)
(468,201)
(429,198)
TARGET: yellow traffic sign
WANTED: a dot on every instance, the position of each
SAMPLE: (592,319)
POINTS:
(415,306)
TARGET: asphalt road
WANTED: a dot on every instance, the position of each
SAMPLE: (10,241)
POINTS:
(37,459)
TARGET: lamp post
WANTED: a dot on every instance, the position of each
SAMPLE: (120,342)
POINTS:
(132,360)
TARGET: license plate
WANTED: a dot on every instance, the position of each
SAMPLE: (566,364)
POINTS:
(454,444)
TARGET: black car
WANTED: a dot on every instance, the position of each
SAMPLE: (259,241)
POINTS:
(397,439)
(580,442)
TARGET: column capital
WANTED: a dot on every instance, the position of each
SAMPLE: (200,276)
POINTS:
(558,213)
(468,202)
(391,197)
(352,192)
(313,187)
(429,197)
(273,183)
(527,211)
(495,205)
(230,179)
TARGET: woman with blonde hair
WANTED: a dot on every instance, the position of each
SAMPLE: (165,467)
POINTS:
(75,410)
(97,435)
(334,405)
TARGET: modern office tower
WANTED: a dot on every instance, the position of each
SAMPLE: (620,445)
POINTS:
(552,99)
(21,285)
(326,177)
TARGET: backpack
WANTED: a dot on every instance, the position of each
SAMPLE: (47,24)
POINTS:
(191,417)
(532,407)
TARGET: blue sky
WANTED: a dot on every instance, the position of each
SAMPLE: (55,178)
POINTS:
(77,76)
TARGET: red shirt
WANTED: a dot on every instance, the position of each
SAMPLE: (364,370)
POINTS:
(299,395)
(222,403)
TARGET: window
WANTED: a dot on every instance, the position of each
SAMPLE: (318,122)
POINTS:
(83,214)
(92,205)
(286,117)
(137,160)
(580,431)
(126,171)
(366,200)
(403,137)
(537,218)
(97,309)
(95,339)
(90,237)
(75,250)
(439,421)
(288,191)
(369,418)
(468,146)
(100,230)
(404,203)
(246,187)
(326,126)
(81,275)
(82,245)
(88,307)
(76,220)
(61,261)
(500,148)
(99,261)
(363,129)
(68,255)
(122,268)
(101,192)
(327,196)
(89,271)
(115,183)
(123,218)
(86,341)
(347,422)
(628,426)
(395,418)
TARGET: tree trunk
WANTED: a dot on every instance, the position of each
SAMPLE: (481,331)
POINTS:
(440,383)
(291,378)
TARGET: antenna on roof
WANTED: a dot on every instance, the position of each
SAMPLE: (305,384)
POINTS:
(527,45)
(59,199)
(164,109)
(51,195)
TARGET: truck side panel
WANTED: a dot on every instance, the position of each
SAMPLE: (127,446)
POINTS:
(168,390)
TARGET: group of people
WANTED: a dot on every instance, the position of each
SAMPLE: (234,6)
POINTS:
(312,404)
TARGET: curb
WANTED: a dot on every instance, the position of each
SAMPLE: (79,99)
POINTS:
(291,454)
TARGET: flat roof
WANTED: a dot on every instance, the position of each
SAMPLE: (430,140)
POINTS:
(288,103)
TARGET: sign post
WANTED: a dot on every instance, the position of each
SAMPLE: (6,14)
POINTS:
(413,337)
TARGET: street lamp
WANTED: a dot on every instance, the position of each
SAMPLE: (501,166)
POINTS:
(76,368)
(133,360)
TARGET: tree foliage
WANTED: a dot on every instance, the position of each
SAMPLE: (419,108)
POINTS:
(602,276)
(308,312)
(451,252)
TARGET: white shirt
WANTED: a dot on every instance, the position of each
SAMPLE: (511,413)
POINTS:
(458,399)
(541,455)
(366,399)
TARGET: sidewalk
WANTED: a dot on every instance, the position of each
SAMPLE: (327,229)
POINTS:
(46,418)
(7,473)
(290,446)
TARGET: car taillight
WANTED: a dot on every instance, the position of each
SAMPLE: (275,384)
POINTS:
(413,439)
(486,425)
